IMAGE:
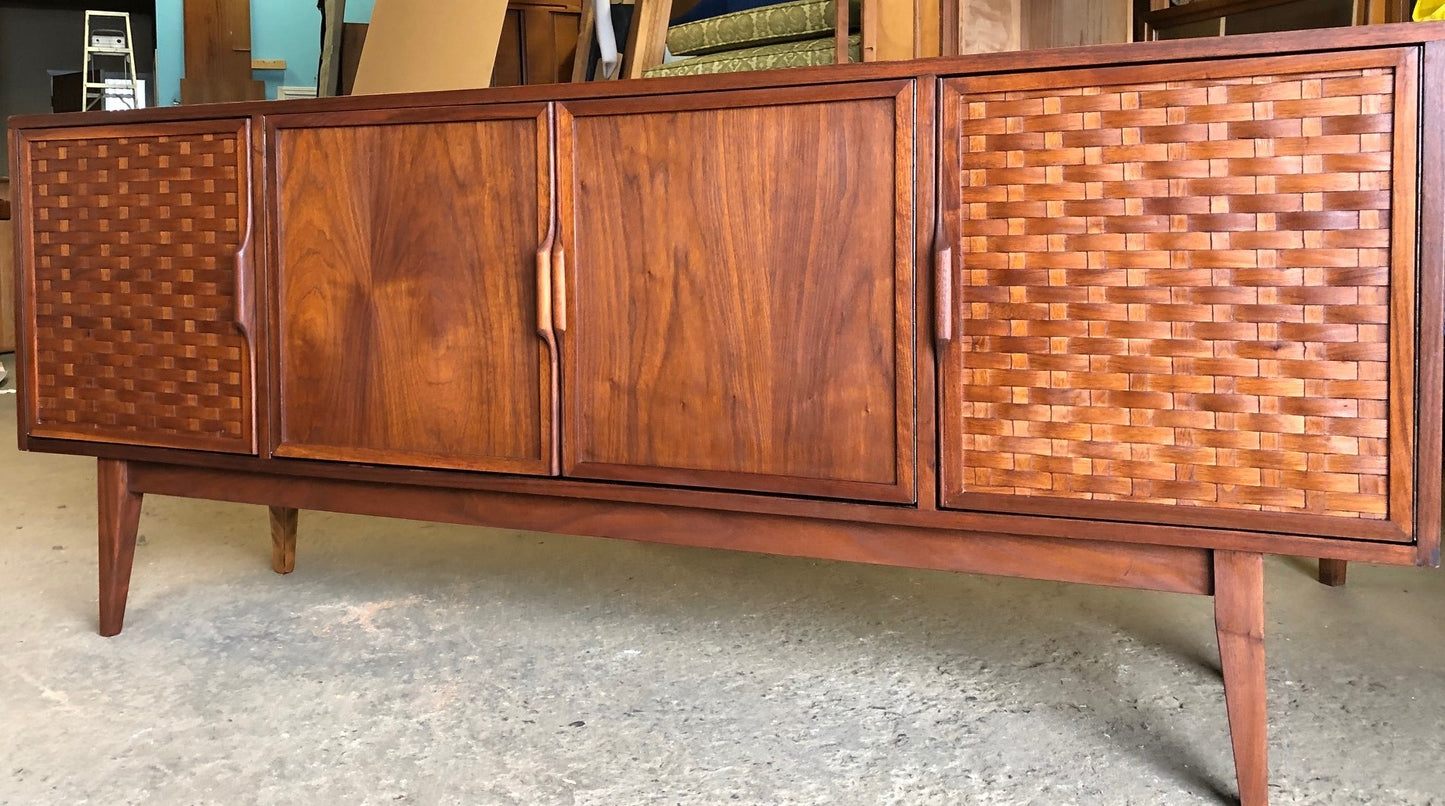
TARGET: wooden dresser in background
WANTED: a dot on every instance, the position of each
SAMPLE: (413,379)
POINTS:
(539,39)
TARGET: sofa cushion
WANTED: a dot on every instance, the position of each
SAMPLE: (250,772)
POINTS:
(782,22)
(810,53)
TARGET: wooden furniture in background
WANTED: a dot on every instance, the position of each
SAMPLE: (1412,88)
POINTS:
(539,41)
(988,26)
(218,53)
(353,40)
(1158,19)
(7,271)
(1067,23)
(1131,315)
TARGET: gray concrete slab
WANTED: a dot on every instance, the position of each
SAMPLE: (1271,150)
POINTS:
(416,663)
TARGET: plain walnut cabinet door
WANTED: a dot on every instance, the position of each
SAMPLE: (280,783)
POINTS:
(739,294)
(1185,293)
(407,326)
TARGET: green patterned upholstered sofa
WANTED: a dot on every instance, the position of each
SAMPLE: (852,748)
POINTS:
(792,34)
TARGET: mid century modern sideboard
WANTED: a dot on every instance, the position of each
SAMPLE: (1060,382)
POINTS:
(1127,315)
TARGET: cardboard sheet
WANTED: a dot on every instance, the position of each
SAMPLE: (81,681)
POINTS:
(419,45)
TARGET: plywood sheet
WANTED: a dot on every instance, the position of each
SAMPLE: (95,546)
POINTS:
(420,45)
(990,25)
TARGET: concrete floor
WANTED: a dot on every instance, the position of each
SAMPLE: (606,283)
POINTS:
(413,663)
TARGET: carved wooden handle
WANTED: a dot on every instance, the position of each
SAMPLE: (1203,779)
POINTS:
(559,288)
(244,314)
(544,291)
(943,294)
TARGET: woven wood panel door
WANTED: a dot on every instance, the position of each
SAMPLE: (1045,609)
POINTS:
(136,272)
(1185,293)
(741,290)
(406,287)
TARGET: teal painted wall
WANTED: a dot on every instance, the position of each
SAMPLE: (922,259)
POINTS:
(359,10)
(280,29)
(170,58)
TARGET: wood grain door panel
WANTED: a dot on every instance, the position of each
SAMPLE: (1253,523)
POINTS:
(1186,293)
(406,310)
(134,277)
(741,279)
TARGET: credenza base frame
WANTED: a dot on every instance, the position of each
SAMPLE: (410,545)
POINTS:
(1235,579)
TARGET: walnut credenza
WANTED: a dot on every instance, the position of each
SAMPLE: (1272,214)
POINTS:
(1131,315)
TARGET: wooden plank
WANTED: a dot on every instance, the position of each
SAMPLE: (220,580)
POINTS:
(647,37)
(1066,23)
(586,42)
(328,80)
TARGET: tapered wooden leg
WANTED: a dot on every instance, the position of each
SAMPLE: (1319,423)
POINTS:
(1332,572)
(283,539)
(119,518)
(1239,622)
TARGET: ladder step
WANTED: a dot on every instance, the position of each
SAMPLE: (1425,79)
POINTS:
(109,51)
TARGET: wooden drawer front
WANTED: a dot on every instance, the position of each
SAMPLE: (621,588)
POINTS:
(1186,290)
(742,293)
(130,250)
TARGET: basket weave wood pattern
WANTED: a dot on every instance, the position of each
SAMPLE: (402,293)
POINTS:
(134,282)
(1178,292)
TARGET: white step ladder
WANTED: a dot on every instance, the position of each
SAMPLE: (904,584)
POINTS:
(108,43)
